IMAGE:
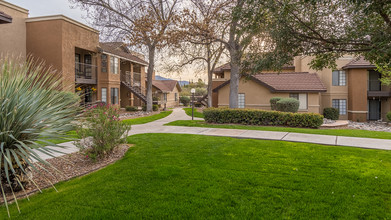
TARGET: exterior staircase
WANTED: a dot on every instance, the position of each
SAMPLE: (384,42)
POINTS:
(203,100)
(137,90)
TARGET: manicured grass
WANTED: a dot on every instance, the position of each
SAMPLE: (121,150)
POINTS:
(337,132)
(172,176)
(146,119)
(196,113)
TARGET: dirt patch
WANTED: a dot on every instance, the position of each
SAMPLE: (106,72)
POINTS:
(68,166)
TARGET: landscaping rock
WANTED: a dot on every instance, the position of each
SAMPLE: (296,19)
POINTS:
(371,126)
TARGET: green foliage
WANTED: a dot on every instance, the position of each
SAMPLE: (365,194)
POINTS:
(155,108)
(273,102)
(287,105)
(101,123)
(331,113)
(185,100)
(32,113)
(261,117)
(131,108)
(389,116)
(144,108)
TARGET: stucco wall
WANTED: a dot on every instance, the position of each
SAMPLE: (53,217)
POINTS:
(13,35)
(258,97)
(358,87)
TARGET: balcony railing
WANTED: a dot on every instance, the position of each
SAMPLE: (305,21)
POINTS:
(85,73)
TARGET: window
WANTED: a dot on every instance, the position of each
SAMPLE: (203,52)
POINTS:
(114,65)
(340,104)
(176,96)
(165,97)
(241,100)
(302,97)
(104,95)
(77,64)
(339,78)
(114,96)
(103,58)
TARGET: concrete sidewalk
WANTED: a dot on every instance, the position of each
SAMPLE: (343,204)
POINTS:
(179,114)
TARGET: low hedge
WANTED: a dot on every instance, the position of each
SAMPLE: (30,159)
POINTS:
(154,108)
(287,105)
(262,117)
(131,108)
(389,116)
(331,113)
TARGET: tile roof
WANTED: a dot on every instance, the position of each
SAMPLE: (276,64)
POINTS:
(120,49)
(287,82)
(166,85)
(227,67)
(4,18)
(358,63)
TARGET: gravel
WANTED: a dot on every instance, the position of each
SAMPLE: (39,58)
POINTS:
(370,126)
(129,115)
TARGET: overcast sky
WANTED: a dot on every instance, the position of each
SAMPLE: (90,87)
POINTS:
(54,7)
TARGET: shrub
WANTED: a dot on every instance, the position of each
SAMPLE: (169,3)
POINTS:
(144,108)
(131,108)
(331,113)
(273,102)
(288,105)
(101,124)
(155,108)
(262,117)
(185,100)
(389,116)
(32,113)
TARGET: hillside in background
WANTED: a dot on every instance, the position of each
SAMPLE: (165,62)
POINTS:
(181,83)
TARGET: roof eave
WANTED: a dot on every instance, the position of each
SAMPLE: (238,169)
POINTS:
(359,67)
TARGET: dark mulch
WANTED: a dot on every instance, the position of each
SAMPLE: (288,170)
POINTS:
(65,168)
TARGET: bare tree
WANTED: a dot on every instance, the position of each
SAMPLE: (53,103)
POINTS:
(141,23)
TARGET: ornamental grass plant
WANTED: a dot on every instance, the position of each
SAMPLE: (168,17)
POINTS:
(33,111)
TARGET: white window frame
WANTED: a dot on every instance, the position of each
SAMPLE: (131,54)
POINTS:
(341,105)
(241,100)
(338,78)
(114,93)
(104,95)
(303,99)
(114,65)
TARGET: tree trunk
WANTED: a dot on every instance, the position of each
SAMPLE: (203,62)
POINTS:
(234,51)
(151,66)
(210,78)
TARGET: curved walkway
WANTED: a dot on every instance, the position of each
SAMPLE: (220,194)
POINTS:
(179,114)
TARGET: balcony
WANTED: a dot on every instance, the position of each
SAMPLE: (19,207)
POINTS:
(375,90)
(85,73)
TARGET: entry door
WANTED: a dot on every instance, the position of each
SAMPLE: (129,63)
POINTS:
(374,109)
(88,67)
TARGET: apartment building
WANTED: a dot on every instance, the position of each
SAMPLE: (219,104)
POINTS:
(353,87)
(101,71)
(166,92)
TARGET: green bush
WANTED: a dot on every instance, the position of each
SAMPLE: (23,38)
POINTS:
(262,117)
(331,113)
(155,108)
(144,108)
(102,124)
(389,116)
(131,108)
(185,100)
(273,102)
(288,105)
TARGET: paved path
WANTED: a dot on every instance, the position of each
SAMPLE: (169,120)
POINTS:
(179,114)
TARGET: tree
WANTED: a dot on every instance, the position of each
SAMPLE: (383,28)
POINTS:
(327,29)
(142,23)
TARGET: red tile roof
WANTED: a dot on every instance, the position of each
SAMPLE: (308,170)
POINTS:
(120,49)
(4,18)
(358,63)
(287,82)
(166,85)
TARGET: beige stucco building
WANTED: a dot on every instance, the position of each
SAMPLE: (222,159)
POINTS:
(353,87)
(101,72)
(166,93)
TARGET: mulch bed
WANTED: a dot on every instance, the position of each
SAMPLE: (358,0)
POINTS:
(68,166)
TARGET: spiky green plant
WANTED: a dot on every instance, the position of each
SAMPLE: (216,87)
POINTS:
(32,112)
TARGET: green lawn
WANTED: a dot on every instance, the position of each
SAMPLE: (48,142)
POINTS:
(196,113)
(146,119)
(172,176)
(337,132)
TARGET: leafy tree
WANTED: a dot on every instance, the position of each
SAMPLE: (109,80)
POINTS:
(326,29)
(143,24)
